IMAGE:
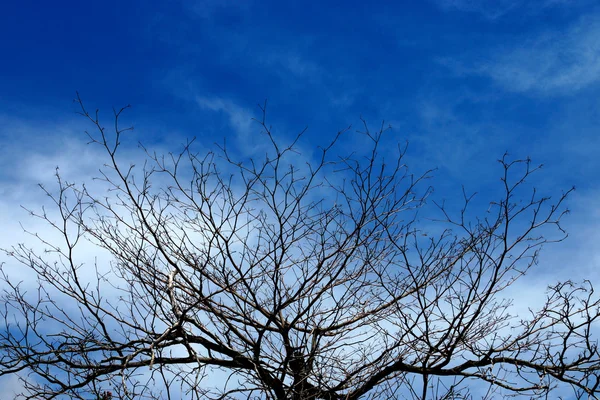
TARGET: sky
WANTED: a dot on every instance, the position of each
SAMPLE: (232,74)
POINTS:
(463,81)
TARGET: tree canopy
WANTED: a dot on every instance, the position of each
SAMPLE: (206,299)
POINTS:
(295,275)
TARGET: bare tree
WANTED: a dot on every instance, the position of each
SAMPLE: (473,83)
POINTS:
(276,278)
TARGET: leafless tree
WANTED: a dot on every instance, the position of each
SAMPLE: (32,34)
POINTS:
(291,277)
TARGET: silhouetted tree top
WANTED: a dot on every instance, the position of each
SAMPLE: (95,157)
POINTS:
(289,276)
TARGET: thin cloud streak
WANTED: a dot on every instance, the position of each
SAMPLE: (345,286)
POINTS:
(555,63)
(496,9)
(239,117)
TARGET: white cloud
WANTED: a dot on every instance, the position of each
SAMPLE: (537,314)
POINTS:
(11,386)
(31,158)
(250,139)
(239,117)
(551,63)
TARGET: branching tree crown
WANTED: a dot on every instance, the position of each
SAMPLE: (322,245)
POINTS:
(273,278)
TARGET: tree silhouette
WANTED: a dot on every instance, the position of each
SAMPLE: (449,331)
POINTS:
(291,277)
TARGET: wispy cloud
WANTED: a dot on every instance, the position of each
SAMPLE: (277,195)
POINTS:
(249,135)
(447,141)
(495,9)
(551,63)
(287,63)
(34,149)
(239,118)
(207,8)
(491,9)
(11,386)
(33,152)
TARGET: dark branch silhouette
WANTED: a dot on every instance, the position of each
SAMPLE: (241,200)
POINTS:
(283,277)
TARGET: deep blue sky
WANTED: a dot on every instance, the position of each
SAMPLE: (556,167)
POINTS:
(462,80)
(478,76)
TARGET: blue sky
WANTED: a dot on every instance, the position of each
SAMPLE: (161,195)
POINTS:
(462,80)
